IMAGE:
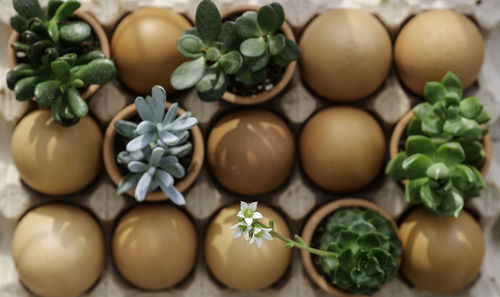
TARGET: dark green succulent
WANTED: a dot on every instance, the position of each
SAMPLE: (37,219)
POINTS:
(367,246)
(443,149)
(243,49)
(54,64)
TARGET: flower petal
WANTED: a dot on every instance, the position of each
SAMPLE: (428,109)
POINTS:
(257,215)
(253,206)
(249,221)
(259,242)
(243,205)
(240,214)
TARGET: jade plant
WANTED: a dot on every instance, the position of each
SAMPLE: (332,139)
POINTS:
(55,64)
(241,49)
(155,146)
(358,249)
(443,149)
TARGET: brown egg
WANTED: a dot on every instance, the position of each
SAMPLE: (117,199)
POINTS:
(342,149)
(144,48)
(53,159)
(345,55)
(251,152)
(241,265)
(58,250)
(435,42)
(441,255)
(154,246)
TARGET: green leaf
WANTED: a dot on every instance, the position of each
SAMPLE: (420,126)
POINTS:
(190,46)
(52,7)
(483,117)
(37,49)
(452,111)
(472,131)
(231,62)
(188,73)
(434,92)
(19,46)
(19,23)
(452,83)
(212,85)
(69,58)
(253,47)
(277,44)
(418,144)
(452,204)
(75,32)
(208,21)
(440,109)
(247,25)
(98,71)
(471,107)
(432,125)
(87,57)
(244,75)
(395,167)
(46,93)
(346,257)
(60,69)
(438,171)
(412,190)
(414,127)
(76,103)
(255,64)
(15,75)
(128,182)
(452,99)
(472,150)
(228,37)
(342,278)
(450,153)
(65,10)
(416,166)
(369,241)
(288,245)
(453,126)
(429,198)
(268,19)
(25,87)
(347,239)
(212,54)
(463,177)
(288,54)
(28,8)
(299,240)
(278,9)
(53,30)
(422,111)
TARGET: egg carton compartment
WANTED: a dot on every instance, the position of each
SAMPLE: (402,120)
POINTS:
(298,196)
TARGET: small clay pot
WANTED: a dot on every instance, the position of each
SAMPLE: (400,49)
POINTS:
(400,129)
(109,155)
(287,75)
(96,28)
(312,224)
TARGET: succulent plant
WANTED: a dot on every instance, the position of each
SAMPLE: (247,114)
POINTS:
(155,145)
(443,149)
(242,48)
(367,249)
(54,71)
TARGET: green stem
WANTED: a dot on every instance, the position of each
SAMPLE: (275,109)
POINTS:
(304,247)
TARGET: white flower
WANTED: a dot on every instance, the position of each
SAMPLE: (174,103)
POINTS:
(259,233)
(249,212)
(241,228)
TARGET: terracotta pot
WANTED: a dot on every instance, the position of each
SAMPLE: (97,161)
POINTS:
(109,155)
(400,129)
(312,224)
(287,75)
(96,28)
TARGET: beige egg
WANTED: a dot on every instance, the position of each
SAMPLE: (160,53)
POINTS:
(59,250)
(240,265)
(154,246)
(435,42)
(441,255)
(144,48)
(345,54)
(342,149)
(251,152)
(53,159)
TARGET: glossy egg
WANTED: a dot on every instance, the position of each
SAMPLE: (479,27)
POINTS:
(53,159)
(251,152)
(435,42)
(154,246)
(441,255)
(240,265)
(342,149)
(345,54)
(144,48)
(59,250)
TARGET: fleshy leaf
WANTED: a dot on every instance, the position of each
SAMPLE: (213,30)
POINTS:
(188,74)
(208,21)
(452,83)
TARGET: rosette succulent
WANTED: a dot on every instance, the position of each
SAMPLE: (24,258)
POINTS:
(55,62)
(443,149)
(241,49)
(155,146)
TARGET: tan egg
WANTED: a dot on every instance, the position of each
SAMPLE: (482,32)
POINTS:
(144,48)
(154,246)
(58,250)
(240,265)
(435,42)
(53,159)
(441,255)
(345,54)
(342,149)
(251,152)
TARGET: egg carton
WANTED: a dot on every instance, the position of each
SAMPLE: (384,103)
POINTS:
(297,197)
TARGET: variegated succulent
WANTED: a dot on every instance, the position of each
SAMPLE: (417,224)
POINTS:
(155,146)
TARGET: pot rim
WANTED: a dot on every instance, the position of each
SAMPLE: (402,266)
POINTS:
(310,227)
(400,128)
(96,28)
(287,75)
(108,155)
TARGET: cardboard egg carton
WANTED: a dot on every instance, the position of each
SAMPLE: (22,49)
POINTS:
(298,196)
